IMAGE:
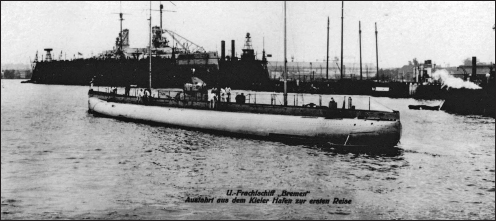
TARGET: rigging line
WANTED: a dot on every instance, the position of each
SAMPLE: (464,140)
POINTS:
(188,41)
(380,103)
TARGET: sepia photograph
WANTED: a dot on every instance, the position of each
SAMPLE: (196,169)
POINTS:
(248,110)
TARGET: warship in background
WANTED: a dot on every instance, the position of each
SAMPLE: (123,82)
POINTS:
(173,65)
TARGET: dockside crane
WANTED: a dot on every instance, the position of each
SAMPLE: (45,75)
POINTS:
(184,43)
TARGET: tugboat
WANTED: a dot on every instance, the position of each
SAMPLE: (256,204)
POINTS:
(195,109)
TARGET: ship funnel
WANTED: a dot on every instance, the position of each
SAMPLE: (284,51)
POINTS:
(223,50)
(233,52)
(474,69)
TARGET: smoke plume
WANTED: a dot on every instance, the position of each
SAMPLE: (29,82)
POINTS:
(452,82)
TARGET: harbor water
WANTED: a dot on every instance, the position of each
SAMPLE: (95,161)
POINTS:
(60,162)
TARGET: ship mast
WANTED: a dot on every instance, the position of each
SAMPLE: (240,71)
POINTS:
(342,18)
(285,61)
(120,34)
(360,37)
(376,52)
(150,50)
(161,7)
(327,60)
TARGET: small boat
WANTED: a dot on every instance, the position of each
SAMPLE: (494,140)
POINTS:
(426,107)
(193,109)
(423,107)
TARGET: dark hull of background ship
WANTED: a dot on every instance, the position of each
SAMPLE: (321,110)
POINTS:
(246,75)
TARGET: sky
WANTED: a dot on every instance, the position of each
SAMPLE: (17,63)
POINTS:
(444,32)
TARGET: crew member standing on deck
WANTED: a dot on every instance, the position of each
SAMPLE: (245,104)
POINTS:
(333,104)
(238,98)
(212,98)
(146,96)
(228,92)
(128,88)
(223,95)
(140,94)
(242,98)
(91,83)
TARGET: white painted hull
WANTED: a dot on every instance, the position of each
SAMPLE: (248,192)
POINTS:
(340,131)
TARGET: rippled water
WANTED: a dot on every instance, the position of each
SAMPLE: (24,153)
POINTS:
(58,161)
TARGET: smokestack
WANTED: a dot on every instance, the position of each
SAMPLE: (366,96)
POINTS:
(233,52)
(474,69)
(223,50)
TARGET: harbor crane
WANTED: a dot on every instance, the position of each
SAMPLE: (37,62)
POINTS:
(187,45)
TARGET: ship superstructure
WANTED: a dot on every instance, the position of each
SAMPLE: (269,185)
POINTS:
(176,60)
